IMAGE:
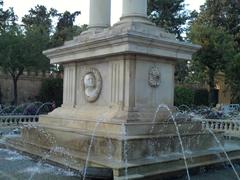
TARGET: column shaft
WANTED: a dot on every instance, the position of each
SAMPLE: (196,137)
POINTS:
(100,12)
(134,8)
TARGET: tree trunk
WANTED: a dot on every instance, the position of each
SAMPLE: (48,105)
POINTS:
(211,84)
(15,91)
(15,76)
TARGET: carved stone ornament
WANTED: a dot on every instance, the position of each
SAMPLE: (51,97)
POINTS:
(92,84)
(154,76)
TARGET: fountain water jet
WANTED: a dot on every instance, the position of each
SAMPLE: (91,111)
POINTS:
(99,120)
(224,151)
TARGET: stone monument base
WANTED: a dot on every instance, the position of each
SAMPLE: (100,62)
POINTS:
(146,152)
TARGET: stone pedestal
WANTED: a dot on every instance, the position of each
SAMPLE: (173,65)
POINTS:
(132,65)
(113,83)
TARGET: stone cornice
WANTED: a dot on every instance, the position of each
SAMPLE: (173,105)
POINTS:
(123,38)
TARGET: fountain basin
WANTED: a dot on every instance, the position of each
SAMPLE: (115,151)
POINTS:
(148,154)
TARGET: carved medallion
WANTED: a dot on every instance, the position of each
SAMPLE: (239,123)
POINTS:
(154,76)
(92,84)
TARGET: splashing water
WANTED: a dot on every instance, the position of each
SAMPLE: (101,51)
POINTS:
(221,146)
(99,120)
(46,155)
(42,106)
(163,106)
(125,150)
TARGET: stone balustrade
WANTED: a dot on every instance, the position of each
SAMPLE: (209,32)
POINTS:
(17,120)
(230,127)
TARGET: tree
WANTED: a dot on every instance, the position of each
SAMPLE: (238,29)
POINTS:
(37,41)
(38,28)
(170,15)
(7,17)
(220,19)
(222,14)
(21,49)
(233,77)
(65,29)
(41,18)
(52,91)
(13,55)
(216,52)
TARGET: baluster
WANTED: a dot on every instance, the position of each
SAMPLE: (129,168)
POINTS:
(230,126)
(221,126)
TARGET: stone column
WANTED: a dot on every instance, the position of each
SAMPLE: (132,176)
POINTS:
(100,12)
(134,8)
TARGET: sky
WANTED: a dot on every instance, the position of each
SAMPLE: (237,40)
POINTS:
(22,8)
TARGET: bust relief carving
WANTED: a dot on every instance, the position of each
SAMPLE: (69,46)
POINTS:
(154,76)
(92,84)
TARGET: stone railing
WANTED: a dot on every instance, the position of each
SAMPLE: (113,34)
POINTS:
(17,120)
(229,127)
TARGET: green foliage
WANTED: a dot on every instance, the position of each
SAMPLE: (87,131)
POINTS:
(14,55)
(65,29)
(21,50)
(7,18)
(217,46)
(40,17)
(21,46)
(52,90)
(38,28)
(13,51)
(181,71)
(188,96)
(169,14)
(216,52)
(217,29)
(183,96)
(201,97)
(233,78)
(35,54)
(222,14)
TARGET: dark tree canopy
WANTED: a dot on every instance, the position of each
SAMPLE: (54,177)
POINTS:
(66,20)
(7,17)
(233,77)
(224,14)
(65,29)
(38,28)
(14,55)
(21,46)
(217,29)
(41,17)
(169,14)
